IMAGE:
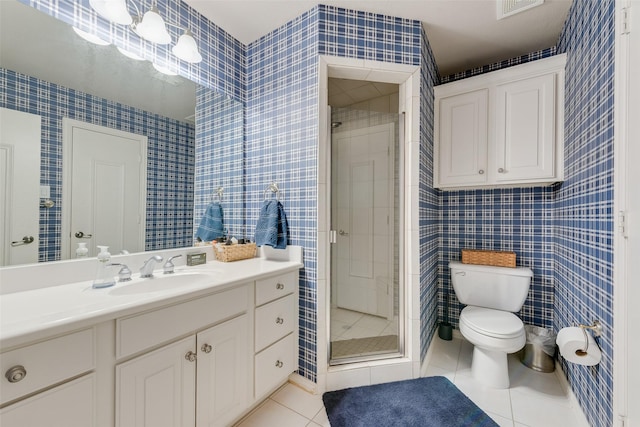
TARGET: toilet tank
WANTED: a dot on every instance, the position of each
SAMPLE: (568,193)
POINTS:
(500,288)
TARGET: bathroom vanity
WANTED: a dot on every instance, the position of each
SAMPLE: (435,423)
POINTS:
(199,347)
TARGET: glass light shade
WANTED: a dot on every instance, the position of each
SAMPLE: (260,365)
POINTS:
(164,70)
(113,10)
(129,54)
(153,28)
(90,37)
(187,49)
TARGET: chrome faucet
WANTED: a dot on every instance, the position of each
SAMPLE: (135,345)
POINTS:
(168,266)
(147,267)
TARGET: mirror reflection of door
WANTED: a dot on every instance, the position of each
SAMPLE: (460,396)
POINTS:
(19,186)
(105,174)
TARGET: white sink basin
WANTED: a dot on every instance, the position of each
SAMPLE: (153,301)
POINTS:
(161,282)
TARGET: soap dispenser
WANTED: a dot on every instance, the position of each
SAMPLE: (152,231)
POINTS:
(82,250)
(104,278)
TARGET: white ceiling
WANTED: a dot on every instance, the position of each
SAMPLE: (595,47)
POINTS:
(463,33)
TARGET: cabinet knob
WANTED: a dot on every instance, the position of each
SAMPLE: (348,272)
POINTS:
(206,348)
(280,286)
(190,356)
(279,320)
(481,171)
(501,170)
(15,374)
(279,364)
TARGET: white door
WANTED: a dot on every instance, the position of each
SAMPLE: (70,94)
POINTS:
(461,135)
(157,389)
(223,380)
(525,129)
(19,187)
(362,215)
(106,182)
(52,407)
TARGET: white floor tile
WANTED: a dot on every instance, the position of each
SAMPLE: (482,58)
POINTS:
(274,414)
(533,410)
(321,418)
(500,420)
(445,354)
(526,380)
(488,399)
(372,322)
(346,316)
(434,371)
(295,398)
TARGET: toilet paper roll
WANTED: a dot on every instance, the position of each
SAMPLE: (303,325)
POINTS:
(571,343)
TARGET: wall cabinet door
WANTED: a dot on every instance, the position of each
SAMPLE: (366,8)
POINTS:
(68,405)
(525,129)
(224,376)
(158,388)
(462,156)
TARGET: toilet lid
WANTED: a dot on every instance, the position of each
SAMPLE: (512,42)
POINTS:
(495,323)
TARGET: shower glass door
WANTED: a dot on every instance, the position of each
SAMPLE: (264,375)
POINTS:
(365,250)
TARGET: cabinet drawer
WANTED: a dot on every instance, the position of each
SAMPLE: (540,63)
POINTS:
(274,321)
(47,363)
(139,332)
(274,364)
(70,405)
(275,287)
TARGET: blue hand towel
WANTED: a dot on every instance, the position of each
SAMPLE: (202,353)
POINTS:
(210,227)
(272,228)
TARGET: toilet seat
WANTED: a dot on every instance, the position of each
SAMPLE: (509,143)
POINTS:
(492,323)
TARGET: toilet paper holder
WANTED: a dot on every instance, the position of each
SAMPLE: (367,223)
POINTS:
(596,327)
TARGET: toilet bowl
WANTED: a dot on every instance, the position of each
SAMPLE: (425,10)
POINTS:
(491,294)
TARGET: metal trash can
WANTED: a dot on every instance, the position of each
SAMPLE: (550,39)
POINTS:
(540,350)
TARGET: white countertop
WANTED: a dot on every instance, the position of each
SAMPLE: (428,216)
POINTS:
(38,313)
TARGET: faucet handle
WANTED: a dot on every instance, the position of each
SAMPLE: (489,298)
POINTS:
(124,275)
(168,266)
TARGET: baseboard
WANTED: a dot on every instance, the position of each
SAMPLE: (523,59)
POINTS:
(573,400)
(305,384)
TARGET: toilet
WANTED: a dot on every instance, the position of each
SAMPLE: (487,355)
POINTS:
(491,296)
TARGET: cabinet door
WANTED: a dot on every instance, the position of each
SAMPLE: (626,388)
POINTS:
(68,405)
(158,388)
(224,372)
(462,139)
(525,129)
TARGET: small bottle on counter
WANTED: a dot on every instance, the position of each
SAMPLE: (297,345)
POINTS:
(82,250)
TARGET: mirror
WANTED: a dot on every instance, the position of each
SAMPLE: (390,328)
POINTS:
(69,77)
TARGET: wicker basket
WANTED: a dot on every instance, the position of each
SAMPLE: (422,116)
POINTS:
(494,258)
(228,253)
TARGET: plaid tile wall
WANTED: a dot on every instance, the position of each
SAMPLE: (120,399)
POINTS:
(169,165)
(584,204)
(429,201)
(223,67)
(281,116)
(219,158)
(519,220)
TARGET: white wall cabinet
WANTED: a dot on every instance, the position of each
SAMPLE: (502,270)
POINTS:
(501,129)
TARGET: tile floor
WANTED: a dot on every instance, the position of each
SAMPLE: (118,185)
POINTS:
(347,324)
(534,400)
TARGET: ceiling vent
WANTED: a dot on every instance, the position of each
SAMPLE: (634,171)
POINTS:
(511,7)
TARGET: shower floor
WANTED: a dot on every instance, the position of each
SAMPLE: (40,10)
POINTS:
(358,334)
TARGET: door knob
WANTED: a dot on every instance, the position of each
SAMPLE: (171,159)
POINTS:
(81,235)
(25,241)
(190,356)
(206,348)
(343,233)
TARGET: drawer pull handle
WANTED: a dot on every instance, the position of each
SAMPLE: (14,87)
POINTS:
(279,321)
(190,356)
(279,364)
(280,286)
(206,348)
(15,374)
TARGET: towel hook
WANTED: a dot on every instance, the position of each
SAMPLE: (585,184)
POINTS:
(219,192)
(273,187)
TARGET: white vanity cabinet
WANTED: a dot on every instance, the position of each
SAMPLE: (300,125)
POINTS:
(501,129)
(46,377)
(201,380)
(276,332)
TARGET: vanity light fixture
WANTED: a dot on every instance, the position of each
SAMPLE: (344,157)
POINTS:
(90,37)
(129,54)
(150,26)
(164,70)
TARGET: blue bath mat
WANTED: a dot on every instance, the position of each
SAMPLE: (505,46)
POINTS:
(424,402)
